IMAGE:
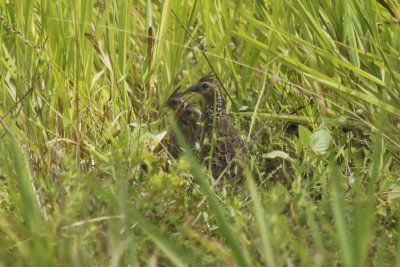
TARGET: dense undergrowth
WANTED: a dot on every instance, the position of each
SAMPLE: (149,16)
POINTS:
(85,176)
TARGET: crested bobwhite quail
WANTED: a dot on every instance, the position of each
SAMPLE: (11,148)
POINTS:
(186,116)
(227,143)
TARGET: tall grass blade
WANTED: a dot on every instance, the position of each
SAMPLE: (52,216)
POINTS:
(339,213)
(268,253)
(177,255)
(238,251)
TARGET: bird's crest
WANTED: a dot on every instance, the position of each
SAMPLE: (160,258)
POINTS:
(208,78)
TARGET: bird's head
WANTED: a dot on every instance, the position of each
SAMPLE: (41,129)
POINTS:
(207,88)
(175,101)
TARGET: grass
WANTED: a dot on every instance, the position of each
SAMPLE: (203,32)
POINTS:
(86,180)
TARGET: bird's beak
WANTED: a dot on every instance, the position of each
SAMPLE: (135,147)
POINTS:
(195,88)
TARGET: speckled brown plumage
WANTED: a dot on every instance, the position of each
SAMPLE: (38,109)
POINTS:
(188,123)
(187,116)
(227,141)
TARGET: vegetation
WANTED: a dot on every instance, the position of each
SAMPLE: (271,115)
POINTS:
(85,175)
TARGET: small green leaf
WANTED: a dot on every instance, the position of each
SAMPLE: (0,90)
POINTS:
(342,119)
(304,135)
(320,141)
(277,154)
(393,195)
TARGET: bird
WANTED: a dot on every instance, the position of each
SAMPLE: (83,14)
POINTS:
(186,116)
(188,123)
(227,144)
(176,102)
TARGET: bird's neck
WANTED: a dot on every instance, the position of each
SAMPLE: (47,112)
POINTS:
(216,101)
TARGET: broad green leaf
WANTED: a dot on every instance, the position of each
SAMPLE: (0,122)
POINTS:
(320,141)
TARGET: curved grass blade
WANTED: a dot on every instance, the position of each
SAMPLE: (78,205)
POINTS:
(239,252)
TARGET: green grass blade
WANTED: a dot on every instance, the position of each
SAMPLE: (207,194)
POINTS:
(339,213)
(177,256)
(268,253)
(239,252)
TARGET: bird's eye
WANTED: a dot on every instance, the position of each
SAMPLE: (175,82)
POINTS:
(205,85)
(173,101)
